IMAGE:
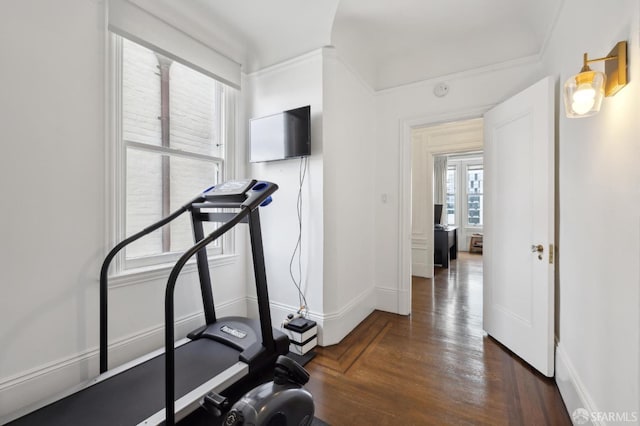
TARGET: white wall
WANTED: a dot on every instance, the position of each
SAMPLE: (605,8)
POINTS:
(348,151)
(398,110)
(338,210)
(599,216)
(53,192)
(53,232)
(285,86)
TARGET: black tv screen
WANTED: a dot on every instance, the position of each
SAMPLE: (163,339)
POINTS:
(280,136)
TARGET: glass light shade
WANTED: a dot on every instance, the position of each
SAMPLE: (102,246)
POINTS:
(583,94)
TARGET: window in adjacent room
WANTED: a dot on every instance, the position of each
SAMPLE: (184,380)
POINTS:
(465,199)
(451,194)
(170,129)
(474,195)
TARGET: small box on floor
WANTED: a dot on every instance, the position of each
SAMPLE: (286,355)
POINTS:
(303,335)
(303,348)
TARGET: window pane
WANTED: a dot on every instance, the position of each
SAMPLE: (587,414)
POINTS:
(193,105)
(451,209)
(474,195)
(451,181)
(474,180)
(451,196)
(140,95)
(145,199)
(474,208)
(188,179)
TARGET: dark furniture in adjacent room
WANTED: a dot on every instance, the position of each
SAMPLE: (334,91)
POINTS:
(445,245)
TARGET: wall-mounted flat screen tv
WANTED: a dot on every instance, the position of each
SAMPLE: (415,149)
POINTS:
(280,136)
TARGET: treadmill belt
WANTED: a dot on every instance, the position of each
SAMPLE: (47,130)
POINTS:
(135,394)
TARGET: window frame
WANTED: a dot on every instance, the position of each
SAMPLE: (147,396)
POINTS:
(116,169)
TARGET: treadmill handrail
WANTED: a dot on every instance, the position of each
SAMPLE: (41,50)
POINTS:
(104,278)
(252,202)
(169,332)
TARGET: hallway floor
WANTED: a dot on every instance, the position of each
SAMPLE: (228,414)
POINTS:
(436,366)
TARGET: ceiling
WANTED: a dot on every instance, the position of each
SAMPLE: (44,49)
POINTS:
(411,40)
(389,43)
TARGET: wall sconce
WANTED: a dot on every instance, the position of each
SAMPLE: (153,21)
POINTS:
(583,92)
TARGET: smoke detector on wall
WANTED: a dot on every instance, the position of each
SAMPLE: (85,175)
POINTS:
(441,89)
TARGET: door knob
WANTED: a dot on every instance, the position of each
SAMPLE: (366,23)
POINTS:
(537,249)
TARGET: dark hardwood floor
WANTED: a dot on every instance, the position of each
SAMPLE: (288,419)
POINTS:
(436,366)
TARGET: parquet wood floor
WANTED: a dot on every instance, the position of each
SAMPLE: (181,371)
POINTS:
(434,367)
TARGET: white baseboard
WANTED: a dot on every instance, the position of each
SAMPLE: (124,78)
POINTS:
(573,392)
(37,384)
(420,270)
(332,327)
(387,299)
(420,253)
(392,300)
(338,324)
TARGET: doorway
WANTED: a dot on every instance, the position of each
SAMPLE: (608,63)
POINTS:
(519,153)
(457,139)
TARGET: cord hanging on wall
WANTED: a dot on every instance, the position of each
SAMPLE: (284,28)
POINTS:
(297,251)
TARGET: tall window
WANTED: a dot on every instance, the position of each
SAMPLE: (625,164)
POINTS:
(464,192)
(451,195)
(474,195)
(171,122)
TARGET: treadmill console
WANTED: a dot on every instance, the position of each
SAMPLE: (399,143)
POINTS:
(230,187)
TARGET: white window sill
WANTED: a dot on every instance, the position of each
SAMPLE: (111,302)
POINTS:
(162,271)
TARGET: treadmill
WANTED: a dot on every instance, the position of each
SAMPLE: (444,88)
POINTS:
(166,385)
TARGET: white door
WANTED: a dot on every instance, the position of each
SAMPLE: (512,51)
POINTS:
(519,225)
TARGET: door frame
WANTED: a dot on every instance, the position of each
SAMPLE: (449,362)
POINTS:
(404,190)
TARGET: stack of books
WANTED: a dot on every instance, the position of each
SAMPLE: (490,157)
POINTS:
(303,335)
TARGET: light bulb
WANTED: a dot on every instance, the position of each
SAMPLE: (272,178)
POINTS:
(583,93)
(583,99)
